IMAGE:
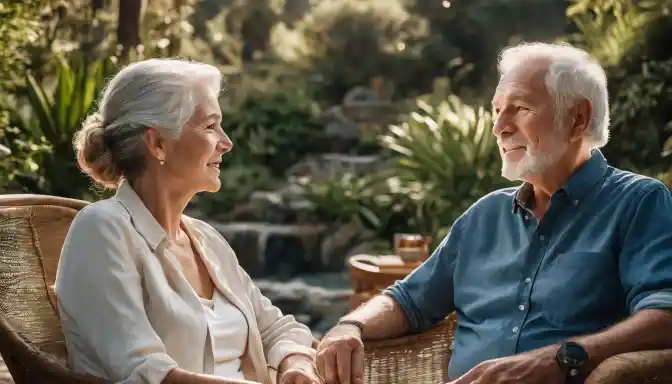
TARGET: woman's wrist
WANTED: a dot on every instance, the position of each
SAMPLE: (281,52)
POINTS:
(297,361)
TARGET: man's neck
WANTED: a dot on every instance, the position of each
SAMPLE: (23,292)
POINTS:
(553,178)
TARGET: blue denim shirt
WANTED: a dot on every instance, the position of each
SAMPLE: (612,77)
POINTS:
(602,251)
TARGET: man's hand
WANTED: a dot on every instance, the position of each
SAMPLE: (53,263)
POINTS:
(340,356)
(298,369)
(537,366)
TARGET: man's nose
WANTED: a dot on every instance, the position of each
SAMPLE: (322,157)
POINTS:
(502,127)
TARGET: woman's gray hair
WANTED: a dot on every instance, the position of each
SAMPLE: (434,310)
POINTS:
(158,93)
(573,75)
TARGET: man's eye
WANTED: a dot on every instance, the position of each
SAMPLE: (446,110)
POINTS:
(212,126)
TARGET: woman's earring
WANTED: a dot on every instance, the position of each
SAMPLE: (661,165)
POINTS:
(162,162)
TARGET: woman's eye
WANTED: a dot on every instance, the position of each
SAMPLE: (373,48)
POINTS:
(212,127)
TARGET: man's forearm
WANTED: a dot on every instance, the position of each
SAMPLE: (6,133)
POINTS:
(382,318)
(648,329)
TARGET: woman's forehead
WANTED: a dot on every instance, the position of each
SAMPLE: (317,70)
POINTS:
(208,108)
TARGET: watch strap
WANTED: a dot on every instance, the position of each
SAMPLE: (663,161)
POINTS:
(356,323)
(572,374)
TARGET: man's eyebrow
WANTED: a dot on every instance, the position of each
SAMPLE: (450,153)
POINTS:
(514,97)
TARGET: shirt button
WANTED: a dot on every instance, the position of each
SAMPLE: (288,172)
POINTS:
(515,330)
(541,237)
(575,202)
(528,280)
(521,307)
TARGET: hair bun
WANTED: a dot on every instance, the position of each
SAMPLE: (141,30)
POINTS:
(94,156)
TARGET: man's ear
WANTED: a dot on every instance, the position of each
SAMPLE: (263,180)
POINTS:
(156,143)
(581,117)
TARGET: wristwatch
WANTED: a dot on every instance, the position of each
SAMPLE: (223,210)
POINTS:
(355,323)
(572,360)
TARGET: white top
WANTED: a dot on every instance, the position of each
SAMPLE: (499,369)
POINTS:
(130,316)
(228,330)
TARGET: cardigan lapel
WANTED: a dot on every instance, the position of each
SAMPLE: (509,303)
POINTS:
(233,292)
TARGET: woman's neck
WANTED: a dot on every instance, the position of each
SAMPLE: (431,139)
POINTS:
(165,204)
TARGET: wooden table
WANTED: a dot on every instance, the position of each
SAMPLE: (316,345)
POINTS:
(370,274)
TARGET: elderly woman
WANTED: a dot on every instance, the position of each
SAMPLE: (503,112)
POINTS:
(147,294)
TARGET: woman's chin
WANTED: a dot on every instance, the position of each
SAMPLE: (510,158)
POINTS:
(213,186)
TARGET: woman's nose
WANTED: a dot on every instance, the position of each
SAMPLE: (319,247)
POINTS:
(225,144)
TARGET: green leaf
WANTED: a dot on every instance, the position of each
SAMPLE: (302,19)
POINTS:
(63,96)
(41,105)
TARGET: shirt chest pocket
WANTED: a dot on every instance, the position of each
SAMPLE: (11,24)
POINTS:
(576,290)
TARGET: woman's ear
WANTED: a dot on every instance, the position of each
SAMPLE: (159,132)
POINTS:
(156,143)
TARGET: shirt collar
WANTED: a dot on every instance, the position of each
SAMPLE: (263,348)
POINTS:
(576,187)
(143,221)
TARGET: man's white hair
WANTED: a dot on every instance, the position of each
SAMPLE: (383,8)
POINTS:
(573,75)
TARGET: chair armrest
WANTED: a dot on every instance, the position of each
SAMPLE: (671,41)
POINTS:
(28,365)
(635,368)
(420,358)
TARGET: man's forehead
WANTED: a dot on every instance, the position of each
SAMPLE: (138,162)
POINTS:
(520,83)
(511,90)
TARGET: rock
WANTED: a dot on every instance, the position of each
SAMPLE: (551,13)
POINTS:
(246,212)
(332,164)
(339,240)
(338,126)
(275,250)
(365,105)
(283,206)
(317,300)
(283,251)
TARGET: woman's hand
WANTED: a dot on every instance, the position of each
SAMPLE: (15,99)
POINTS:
(298,369)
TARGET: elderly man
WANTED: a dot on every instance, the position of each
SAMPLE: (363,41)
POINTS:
(548,279)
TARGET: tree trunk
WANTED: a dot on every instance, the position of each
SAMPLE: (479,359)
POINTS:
(128,26)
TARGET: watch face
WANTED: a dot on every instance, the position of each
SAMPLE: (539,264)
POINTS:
(574,355)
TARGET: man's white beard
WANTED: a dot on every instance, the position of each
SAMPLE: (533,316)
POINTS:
(533,162)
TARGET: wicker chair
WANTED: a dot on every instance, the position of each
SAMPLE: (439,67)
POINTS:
(32,230)
(423,359)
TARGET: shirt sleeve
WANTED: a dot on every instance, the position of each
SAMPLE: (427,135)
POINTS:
(426,295)
(645,260)
(99,291)
(281,335)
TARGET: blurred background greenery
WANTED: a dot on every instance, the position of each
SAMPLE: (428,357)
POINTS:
(341,111)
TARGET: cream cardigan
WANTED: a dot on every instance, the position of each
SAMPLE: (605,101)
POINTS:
(130,316)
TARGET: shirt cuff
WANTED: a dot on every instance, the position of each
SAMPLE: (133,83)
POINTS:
(284,348)
(656,300)
(153,370)
(400,294)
